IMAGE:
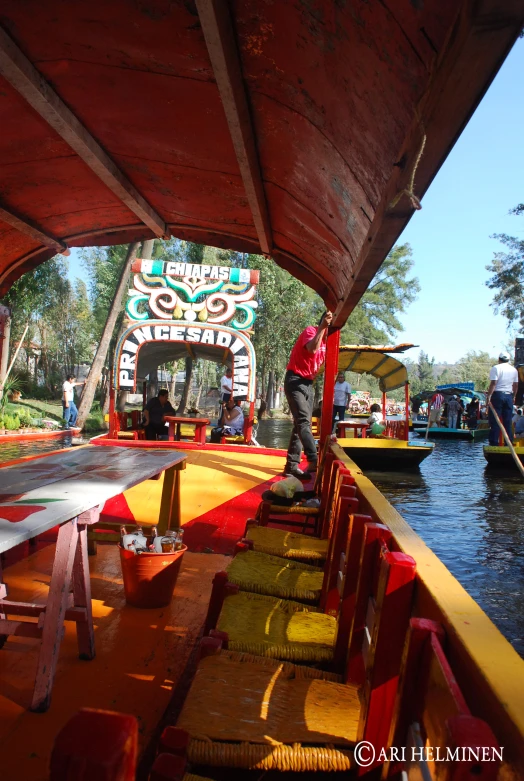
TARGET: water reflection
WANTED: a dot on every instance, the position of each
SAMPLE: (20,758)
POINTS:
(11,450)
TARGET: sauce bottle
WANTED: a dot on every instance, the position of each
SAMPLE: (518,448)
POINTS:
(167,543)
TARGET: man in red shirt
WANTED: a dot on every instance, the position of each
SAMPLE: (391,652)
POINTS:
(307,356)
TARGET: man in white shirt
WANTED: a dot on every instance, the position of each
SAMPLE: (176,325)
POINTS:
(341,398)
(226,387)
(504,381)
(68,401)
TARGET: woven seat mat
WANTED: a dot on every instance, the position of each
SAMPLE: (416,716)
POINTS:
(265,574)
(255,756)
(287,544)
(268,702)
(277,628)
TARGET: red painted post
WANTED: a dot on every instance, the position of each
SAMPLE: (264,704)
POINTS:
(384,399)
(248,430)
(406,399)
(326,422)
(112,426)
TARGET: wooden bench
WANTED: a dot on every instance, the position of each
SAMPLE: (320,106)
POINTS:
(127,425)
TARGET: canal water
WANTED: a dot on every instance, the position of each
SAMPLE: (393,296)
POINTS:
(471,517)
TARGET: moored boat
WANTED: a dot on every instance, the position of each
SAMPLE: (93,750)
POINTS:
(393,449)
(500,456)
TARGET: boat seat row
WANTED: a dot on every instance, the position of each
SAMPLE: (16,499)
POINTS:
(299,662)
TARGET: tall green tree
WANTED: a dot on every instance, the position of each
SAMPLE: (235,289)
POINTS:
(375,319)
(421,374)
(507,276)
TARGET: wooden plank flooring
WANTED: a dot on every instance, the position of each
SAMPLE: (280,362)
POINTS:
(140,655)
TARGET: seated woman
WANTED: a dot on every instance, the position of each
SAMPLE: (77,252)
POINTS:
(232,421)
(375,423)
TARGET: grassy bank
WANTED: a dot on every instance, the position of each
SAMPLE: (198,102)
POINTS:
(53,411)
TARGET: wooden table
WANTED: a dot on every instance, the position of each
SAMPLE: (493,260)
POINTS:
(69,489)
(176,423)
(356,426)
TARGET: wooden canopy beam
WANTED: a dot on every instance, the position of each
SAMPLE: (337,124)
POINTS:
(223,52)
(24,225)
(24,77)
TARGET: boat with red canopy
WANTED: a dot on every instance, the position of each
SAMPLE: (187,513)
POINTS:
(308,132)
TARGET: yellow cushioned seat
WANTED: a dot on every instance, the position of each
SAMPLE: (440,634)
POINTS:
(288,545)
(251,712)
(281,629)
(264,574)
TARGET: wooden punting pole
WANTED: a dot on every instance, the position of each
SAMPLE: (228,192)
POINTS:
(406,402)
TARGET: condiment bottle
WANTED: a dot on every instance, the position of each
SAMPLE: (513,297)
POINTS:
(179,539)
(168,542)
(151,539)
(134,540)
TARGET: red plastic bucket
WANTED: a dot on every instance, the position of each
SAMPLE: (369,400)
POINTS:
(150,578)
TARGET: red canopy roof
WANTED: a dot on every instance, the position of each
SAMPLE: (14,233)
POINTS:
(256,125)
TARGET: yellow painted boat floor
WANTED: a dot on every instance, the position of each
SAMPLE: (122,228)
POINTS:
(219,491)
(140,656)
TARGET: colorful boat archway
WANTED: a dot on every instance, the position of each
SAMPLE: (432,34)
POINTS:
(175,310)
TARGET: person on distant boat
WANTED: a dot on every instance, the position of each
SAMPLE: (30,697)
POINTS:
(69,409)
(375,422)
(473,412)
(307,356)
(415,408)
(226,387)
(454,406)
(154,412)
(460,412)
(341,398)
(504,381)
(518,424)
(232,421)
(435,408)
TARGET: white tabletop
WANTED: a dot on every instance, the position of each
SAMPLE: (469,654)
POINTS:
(39,494)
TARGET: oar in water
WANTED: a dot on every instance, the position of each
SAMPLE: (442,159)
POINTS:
(507,440)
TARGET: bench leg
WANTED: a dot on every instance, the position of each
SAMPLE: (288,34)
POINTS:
(170,502)
(53,623)
(82,597)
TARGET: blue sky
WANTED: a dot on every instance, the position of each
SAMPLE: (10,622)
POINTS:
(469,200)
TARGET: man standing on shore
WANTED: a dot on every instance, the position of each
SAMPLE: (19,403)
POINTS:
(307,356)
(504,382)
(69,409)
